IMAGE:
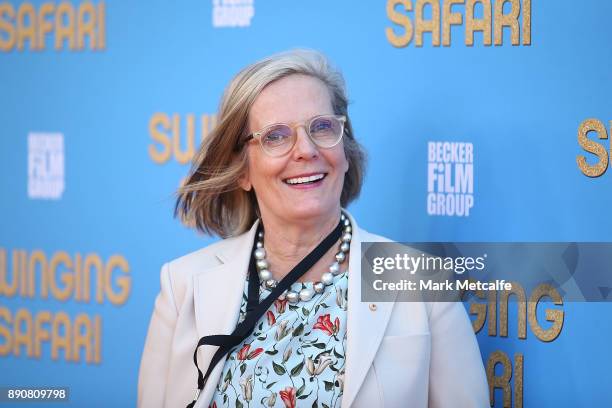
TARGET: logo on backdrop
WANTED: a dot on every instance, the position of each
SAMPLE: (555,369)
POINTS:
(171,141)
(49,25)
(590,146)
(232,13)
(46,179)
(485,16)
(450,178)
(81,278)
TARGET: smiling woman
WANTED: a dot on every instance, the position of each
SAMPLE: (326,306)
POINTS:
(273,311)
(299,188)
(275,101)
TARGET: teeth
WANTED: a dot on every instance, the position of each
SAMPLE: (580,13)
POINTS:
(300,180)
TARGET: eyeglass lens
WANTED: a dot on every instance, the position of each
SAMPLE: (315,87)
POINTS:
(325,131)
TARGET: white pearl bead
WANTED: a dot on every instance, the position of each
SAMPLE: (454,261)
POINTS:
(345,247)
(260,234)
(259,244)
(340,257)
(262,264)
(293,297)
(265,275)
(347,223)
(318,287)
(342,217)
(306,294)
(327,278)
(334,268)
(348,229)
(260,253)
(271,283)
(347,237)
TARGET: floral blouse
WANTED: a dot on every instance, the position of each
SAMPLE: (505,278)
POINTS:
(295,355)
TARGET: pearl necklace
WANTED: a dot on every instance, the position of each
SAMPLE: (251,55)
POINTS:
(268,282)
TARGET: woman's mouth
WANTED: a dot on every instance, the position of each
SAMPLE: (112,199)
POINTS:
(305,180)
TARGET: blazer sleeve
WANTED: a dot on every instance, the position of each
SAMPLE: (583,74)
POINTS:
(152,378)
(457,377)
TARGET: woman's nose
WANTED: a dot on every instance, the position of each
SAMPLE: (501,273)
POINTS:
(304,147)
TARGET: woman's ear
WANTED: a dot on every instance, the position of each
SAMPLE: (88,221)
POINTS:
(244,181)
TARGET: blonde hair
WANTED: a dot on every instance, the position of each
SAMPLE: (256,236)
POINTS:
(211,199)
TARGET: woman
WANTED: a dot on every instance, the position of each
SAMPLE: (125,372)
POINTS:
(272,179)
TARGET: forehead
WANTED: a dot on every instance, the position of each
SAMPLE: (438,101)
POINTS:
(294,98)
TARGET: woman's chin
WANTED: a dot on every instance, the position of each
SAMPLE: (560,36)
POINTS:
(304,213)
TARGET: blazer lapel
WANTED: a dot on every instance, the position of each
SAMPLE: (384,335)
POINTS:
(217,299)
(366,325)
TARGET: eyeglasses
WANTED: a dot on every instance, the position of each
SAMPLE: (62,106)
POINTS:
(324,131)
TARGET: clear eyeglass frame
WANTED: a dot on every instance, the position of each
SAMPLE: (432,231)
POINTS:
(307,125)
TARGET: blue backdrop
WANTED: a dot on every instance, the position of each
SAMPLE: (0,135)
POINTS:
(99,101)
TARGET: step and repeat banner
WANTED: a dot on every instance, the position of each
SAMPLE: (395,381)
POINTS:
(484,121)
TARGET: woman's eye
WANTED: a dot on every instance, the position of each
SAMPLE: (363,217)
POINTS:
(321,125)
(274,137)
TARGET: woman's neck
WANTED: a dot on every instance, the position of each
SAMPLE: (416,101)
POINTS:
(287,244)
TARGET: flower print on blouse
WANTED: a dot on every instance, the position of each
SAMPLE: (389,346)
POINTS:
(295,356)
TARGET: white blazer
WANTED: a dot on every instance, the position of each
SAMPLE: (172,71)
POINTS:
(399,355)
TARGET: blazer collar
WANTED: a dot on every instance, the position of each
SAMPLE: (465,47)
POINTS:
(366,322)
(218,296)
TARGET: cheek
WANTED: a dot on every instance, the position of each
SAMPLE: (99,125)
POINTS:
(340,161)
(346,164)
(263,170)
